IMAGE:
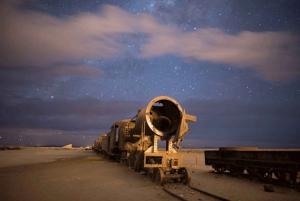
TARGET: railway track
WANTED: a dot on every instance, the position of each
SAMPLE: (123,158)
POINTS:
(190,193)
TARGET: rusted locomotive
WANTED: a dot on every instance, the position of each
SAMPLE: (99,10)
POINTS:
(135,141)
(258,163)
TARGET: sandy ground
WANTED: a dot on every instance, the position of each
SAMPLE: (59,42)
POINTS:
(49,174)
(38,155)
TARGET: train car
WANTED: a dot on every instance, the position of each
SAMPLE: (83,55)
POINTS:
(135,141)
(262,164)
(97,146)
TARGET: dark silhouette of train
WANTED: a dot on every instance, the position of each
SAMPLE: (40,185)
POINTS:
(258,163)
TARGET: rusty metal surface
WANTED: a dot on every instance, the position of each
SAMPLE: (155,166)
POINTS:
(265,156)
(135,141)
(238,149)
(182,160)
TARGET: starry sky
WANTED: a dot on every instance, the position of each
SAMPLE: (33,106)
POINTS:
(69,69)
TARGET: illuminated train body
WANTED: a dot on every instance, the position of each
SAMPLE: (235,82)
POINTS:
(135,141)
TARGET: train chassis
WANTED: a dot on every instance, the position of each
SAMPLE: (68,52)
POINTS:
(162,165)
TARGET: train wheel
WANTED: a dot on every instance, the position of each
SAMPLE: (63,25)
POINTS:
(250,171)
(186,177)
(264,174)
(253,172)
(289,177)
(280,175)
(151,171)
(118,158)
(138,162)
(236,170)
(123,162)
(267,175)
(220,168)
(130,161)
(159,176)
(293,177)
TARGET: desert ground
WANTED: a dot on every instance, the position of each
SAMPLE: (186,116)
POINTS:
(55,174)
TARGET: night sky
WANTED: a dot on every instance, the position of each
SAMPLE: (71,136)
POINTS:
(69,69)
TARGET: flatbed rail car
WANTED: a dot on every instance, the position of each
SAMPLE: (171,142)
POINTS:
(259,163)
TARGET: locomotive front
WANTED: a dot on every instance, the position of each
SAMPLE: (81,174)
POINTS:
(135,141)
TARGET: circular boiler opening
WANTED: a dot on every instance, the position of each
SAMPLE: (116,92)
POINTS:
(165,116)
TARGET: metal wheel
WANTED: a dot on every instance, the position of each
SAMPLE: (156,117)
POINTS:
(186,177)
(280,175)
(267,175)
(253,172)
(220,168)
(117,158)
(250,171)
(293,177)
(236,170)
(138,162)
(151,171)
(288,177)
(159,176)
(264,174)
(124,162)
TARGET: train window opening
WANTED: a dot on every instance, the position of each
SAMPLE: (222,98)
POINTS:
(117,133)
(162,145)
(154,159)
(174,162)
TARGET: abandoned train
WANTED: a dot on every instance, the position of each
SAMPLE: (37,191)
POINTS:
(135,141)
(258,163)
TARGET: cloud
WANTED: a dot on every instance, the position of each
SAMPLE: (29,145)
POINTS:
(37,39)
(34,39)
(272,55)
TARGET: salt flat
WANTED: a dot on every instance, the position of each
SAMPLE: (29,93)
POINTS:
(56,174)
(30,155)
